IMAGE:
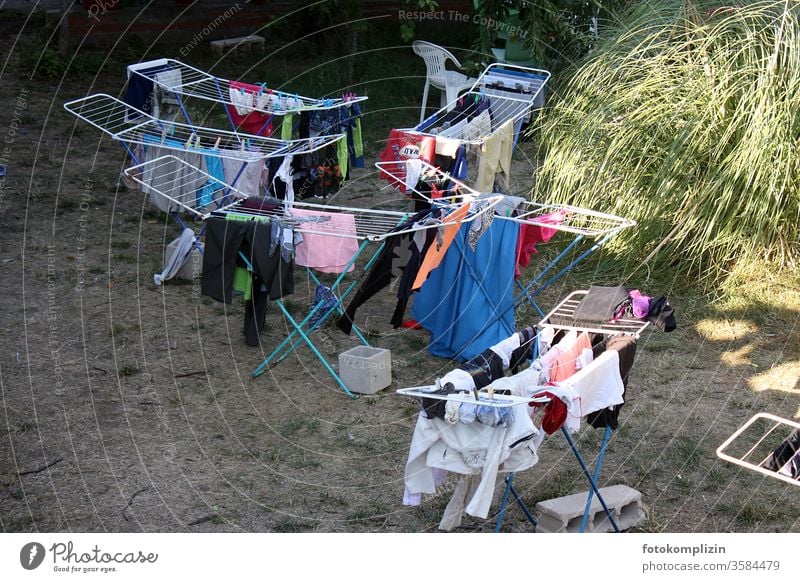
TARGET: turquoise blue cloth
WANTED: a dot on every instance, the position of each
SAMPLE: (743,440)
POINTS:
(215,169)
(452,305)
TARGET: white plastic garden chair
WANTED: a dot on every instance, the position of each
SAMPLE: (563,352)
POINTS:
(450,83)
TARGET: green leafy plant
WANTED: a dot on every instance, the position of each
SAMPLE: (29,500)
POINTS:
(686,120)
(557,32)
(408,27)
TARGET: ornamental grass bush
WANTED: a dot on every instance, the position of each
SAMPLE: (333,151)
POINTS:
(685,118)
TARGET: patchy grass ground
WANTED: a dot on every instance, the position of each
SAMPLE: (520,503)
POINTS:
(130,407)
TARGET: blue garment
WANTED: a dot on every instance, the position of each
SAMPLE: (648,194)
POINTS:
(466,291)
(350,125)
(215,169)
(459,169)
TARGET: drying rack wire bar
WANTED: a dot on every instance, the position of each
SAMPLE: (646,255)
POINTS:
(495,401)
(775,423)
(178,181)
(111,116)
(371,224)
(575,220)
(563,317)
(197,83)
(513,91)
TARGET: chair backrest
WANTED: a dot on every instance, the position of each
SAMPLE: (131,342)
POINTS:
(435,58)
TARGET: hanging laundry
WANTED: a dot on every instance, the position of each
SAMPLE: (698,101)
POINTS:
(598,385)
(245,98)
(531,235)
(324,252)
(166,104)
(420,244)
(460,300)
(389,265)
(139,91)
(469,449)
(785,458)
(436,252)
(216,170)
(355,142)
(243,175)
(626,346)
(571,353)
(402,146)
(184,246)
(494,166)
(273,275)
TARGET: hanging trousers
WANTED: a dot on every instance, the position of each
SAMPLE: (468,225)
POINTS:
(273,277)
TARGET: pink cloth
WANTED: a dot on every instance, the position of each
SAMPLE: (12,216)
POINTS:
(323,252)
(532,234)
(565,365)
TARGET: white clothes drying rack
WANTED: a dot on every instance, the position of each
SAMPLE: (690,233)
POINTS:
(370,226)
(563,314)
(514,91)
(748,450)
(203,85)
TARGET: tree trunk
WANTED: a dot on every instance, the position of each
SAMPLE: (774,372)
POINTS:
(351,62)
(63,32)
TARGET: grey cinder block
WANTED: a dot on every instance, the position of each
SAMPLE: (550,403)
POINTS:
(366,370)
(564,514)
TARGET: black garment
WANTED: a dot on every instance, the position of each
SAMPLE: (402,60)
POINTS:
(600,303)
(784,453)
(390,263)
(484,368)
(434,407)
(273,277)
(404,291)
(626,346)
(524,353)
(662,315)
(139,91)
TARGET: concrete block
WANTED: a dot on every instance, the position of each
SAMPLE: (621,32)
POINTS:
(366,370)
(224,44)
(193,266)
(564,514)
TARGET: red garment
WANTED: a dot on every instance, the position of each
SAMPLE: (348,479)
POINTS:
(402,146)
(532,234)
(253,121)
(555,412)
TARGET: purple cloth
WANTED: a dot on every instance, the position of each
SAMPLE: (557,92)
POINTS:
(640,304)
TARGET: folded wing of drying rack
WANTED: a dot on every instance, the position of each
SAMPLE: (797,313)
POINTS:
(186,187)
(189,81)
(370,226)
(112,117)
(513,91)
(562,317)
(754,446)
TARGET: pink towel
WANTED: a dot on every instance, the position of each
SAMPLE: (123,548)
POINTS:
(323,252)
